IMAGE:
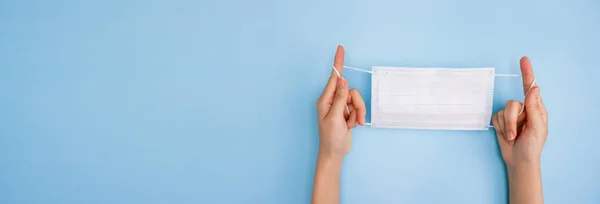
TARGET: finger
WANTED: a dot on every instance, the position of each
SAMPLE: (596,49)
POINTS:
(527,73)
(338,60)
(351,122)
(502,141)
(339,102)
(511,116)
(502,127)
(533,109)
(499,130)
(338,64)
(501,122)
(359,105)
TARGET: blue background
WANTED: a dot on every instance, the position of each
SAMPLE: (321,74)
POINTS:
(142,101)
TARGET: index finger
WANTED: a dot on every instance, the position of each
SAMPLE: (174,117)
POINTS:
(338,63)
(527,73)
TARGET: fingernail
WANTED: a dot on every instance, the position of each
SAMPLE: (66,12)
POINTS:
(340,82)
(511,136)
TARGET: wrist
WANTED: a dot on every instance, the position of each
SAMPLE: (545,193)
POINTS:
(330,158)
(523,167)
(331,153)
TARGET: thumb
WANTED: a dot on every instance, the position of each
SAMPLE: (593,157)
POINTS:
(533,108)
(341,96)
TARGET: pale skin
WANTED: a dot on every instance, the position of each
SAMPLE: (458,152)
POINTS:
(520,137)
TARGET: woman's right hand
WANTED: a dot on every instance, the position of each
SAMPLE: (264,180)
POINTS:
(522,136)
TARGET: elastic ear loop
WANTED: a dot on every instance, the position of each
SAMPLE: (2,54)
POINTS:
(498,75)
(339,75)
(526,93)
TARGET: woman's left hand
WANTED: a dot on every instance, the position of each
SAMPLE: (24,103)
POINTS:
(339,110)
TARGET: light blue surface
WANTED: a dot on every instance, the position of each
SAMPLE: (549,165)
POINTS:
(180,101)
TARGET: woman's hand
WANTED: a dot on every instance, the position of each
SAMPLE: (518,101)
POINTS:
(335,123)
(339,111)
(522,137)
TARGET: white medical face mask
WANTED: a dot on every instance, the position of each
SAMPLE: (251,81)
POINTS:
(432,98)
